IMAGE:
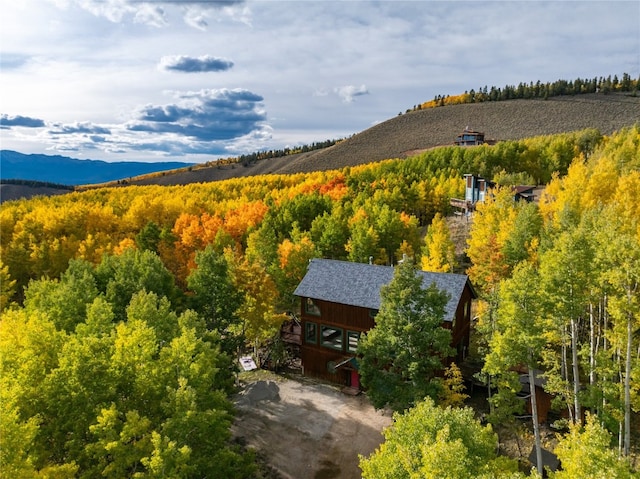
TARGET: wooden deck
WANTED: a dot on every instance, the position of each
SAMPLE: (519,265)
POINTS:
(463,205)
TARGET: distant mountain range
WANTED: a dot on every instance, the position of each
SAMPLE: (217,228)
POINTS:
(69,171)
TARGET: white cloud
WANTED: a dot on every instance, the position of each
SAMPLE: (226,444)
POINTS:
(94,62)
(349,92)
(152,12)
(196,18)
(112,10)
(150,15)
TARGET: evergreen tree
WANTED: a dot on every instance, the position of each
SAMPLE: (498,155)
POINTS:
(401,354)
(149,237)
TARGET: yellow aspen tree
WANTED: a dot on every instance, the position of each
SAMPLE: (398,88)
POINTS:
(626,200)
(603,176)
(260,320)
(453,388)
(585,452)
(7,286)
(564,196)
(294,255)
(492,225)
(439,253)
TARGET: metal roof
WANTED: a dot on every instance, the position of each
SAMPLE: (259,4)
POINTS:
(359,284)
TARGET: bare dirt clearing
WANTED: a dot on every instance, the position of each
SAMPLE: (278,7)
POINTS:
(307,429)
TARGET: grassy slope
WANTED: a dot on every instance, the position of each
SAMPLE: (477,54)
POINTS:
(405,134)
(409,133)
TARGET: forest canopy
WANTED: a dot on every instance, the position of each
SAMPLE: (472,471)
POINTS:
(122,308)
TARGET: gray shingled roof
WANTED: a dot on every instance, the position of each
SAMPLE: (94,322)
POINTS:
(359,284)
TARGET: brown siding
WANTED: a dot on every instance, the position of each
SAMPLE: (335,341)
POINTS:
(352,318)
(543,402)
(314,356)
(462,327)
(342,315)
(315,360)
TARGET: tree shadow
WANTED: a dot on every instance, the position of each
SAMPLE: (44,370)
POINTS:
(309,429)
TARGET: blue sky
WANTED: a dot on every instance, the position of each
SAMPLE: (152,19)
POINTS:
(198,80)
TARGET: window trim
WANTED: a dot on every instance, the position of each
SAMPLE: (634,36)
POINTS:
(307,326)
(311,308)
(350,334)
(327,344)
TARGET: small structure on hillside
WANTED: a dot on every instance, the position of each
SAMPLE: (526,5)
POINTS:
(475,191)
(478,188)
(524,193)
(470,138)
(339,302)
(291,331)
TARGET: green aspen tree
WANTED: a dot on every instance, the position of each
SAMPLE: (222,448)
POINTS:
(215,297)
(519,336)
(568,278)
(431,442)
(621,254)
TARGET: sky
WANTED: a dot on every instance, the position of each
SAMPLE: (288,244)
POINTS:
(192,81)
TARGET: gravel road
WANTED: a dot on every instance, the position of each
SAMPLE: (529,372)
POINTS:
(307,429)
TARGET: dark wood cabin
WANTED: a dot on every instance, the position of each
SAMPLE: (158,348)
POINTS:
(524,193)
(340,300)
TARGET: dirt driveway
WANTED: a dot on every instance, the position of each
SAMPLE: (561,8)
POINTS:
(307,429)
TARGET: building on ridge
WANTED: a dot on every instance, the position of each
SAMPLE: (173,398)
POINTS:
(470,138)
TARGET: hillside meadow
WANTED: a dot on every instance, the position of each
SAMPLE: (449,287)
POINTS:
(123,306)
(414,131)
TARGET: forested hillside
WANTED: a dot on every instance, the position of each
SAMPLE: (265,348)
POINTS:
(122,307)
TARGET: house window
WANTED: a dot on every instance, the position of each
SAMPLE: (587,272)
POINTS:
(310,307)
(352,341)
(310,333)
(332,337)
